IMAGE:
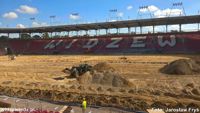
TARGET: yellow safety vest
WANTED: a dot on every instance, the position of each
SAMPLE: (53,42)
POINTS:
(84,104)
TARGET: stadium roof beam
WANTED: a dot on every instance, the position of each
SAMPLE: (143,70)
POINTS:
(101,27)
(107,25)
(82,28)
(126,25)
(114,26)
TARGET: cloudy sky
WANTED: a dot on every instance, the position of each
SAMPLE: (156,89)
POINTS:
(33,13)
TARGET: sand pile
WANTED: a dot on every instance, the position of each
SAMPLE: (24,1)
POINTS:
(182,67)
(86,78)
(76,98)
(130,102)
(191,89)
(102,67)
(103,74)
(109,78)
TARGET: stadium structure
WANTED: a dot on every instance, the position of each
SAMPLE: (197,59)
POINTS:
(119,84)
(170,41)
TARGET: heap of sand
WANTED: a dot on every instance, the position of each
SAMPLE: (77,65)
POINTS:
(181,67)
(104,74)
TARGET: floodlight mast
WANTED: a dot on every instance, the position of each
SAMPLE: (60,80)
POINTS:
(178,5)
(146,9)
(52,17)
(198,23)
(32,20)
(75,21)
(112,14)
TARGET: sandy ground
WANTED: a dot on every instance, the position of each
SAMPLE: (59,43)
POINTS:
(34,77)
(42,105)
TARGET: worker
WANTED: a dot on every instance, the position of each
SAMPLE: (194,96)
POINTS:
(84,105)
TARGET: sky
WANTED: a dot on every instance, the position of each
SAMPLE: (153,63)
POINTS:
(35,13)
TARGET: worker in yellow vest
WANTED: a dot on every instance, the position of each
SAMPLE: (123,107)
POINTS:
(84,106)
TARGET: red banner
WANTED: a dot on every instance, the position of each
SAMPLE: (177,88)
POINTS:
(165,43)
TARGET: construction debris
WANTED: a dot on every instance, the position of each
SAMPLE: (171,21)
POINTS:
(11,57)
(77,71)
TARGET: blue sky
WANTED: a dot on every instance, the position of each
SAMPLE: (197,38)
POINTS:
(17,13)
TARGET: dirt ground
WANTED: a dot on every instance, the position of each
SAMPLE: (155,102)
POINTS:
(41,77)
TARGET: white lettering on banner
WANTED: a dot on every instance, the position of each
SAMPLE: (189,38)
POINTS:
(59,42)
(139,42)
(70,44)
(52,44)
(91,43)
(171,43)
(49,44)
(114,42)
